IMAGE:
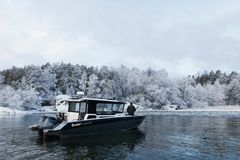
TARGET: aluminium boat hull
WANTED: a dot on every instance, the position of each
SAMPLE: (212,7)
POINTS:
(95,126)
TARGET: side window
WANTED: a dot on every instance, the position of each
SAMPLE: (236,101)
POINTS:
(117,108)
(104,108)
(100,107)
(109,108)
(74,107)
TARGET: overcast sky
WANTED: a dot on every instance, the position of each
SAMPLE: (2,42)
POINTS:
(181,36)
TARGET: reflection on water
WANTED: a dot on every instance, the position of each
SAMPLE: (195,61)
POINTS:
(115,145)
(191,137)
(132,137)
(159,137)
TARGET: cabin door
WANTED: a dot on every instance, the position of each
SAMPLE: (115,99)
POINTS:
(73,111)
(83,109)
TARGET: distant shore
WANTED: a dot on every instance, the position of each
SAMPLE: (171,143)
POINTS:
(203,109)
(10,111)
(215,108)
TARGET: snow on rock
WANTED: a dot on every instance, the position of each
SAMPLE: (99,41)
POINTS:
(48,109)
(6,110)
(170,107)
(212,111)
(215,108)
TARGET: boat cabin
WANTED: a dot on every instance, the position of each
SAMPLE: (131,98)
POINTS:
(87,108)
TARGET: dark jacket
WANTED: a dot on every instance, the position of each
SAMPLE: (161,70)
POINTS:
(131,109)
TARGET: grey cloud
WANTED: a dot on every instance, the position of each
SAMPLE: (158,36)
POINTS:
(180,36)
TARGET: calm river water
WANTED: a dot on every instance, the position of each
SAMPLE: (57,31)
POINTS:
(161,136)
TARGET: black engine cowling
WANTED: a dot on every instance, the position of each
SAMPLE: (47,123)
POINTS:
(49,123)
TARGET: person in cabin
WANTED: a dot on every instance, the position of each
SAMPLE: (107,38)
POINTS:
(131,109)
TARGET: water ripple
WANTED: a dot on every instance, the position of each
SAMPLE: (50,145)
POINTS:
(159,137)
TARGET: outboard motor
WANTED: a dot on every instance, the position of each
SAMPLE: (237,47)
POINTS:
(41,121)
(49,123)
(45,123)
(39,124)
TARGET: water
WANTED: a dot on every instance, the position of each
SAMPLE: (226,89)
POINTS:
(162,136)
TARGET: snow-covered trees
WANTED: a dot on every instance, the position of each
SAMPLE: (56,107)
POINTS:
(19,99)
(9,97)
(43,80)
(82,81)
(93,89)
(30,99)
(215,93)
(233,92)
(196,95)
(31,86)
(1,79)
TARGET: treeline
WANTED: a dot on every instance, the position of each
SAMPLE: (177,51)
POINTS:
(32,86)
(230,83)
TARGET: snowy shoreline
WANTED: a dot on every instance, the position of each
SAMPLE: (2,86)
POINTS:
(6,110)
(204,109)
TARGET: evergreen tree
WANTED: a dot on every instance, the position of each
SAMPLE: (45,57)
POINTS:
(233,92)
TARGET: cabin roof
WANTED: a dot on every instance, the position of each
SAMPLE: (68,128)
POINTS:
(94,100)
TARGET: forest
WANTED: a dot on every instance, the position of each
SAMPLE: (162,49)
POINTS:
(32,86)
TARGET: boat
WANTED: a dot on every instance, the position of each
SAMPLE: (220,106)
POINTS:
(89,116)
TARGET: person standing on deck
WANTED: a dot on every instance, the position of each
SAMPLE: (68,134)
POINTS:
(131,109)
